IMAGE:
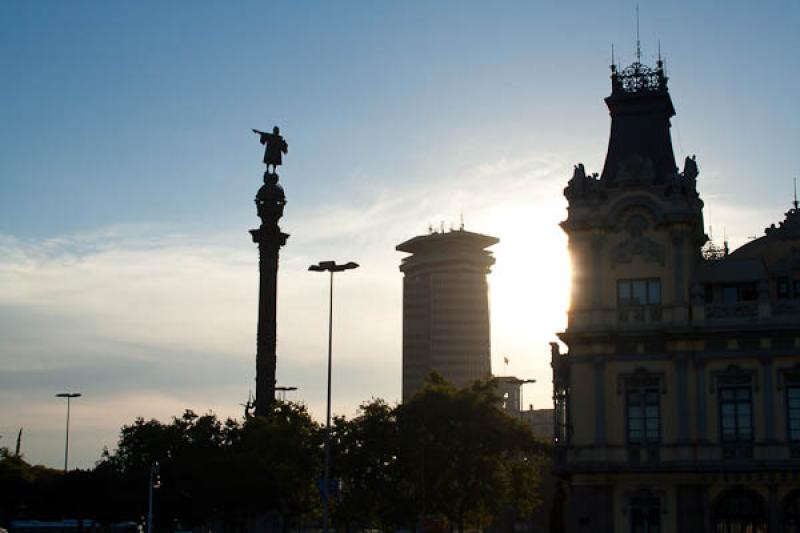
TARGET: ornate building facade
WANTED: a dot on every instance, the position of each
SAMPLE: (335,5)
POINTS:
(677,405)
(446,308)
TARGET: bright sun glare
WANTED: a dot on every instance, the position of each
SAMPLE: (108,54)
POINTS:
(529,291)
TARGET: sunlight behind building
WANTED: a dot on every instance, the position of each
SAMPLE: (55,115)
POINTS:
(529,289)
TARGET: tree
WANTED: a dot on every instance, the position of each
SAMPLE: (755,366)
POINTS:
(217,471)
(364,456)
(464,459)
(276,461)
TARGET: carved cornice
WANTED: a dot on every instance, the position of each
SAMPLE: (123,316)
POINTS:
(734,375)
(788,376)
(641,378)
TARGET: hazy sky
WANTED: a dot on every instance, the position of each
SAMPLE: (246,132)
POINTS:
(128,170)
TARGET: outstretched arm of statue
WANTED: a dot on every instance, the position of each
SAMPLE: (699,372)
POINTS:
(262,136)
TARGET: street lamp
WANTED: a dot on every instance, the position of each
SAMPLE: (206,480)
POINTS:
(329,266)
(155,483)
(283,390)
(69,396)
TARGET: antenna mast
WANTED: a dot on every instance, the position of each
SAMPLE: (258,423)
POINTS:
(795,193)
(638,42)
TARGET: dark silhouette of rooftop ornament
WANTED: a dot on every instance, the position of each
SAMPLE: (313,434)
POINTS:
(275,146)
(690,168)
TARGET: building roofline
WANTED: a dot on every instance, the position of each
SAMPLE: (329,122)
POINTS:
(457,238)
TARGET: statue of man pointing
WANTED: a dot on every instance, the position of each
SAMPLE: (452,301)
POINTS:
(275,147)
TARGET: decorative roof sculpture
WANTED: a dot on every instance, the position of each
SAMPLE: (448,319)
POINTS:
(639,78)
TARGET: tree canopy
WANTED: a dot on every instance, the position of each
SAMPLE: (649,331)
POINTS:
(448,457)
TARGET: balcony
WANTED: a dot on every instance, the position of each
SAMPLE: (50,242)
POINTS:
(639,314)
(786,307)
(723,311)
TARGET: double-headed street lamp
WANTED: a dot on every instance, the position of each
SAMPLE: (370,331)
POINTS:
(283,390)
(69,396)
(329,266)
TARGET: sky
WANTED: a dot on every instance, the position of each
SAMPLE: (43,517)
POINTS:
(128,171)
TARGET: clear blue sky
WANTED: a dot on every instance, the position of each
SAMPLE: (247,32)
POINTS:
(127,171)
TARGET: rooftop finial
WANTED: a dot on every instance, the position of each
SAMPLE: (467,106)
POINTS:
(638,43)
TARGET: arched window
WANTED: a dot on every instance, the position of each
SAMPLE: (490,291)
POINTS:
(740,511)
(790,517)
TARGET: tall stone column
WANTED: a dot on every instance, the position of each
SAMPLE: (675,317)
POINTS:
(270,201)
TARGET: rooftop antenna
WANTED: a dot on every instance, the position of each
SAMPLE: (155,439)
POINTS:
(441,226)
(638,43)
(613,66)
(795,193)
(461,227)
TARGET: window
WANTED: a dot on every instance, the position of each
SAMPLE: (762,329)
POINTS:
(639,291)
(793,412)
(739,511)
(791,512)
(730,295)
(645,513)
(783,287)
(736,420)
(741,292)
(643,417)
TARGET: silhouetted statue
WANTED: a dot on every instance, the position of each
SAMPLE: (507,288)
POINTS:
(275,147)
(555,349)
(690,168)
(249,406)
(579,173)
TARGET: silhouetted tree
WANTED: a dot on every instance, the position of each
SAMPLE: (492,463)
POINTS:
(448,456)
(463,458)
(365,454)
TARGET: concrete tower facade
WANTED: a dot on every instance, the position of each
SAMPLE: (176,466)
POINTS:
(446,308)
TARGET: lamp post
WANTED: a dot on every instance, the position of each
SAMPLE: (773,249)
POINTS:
(283,390)
(154,483)
(329,266)
(69,396)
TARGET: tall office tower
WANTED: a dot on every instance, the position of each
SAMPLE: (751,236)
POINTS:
(446,308)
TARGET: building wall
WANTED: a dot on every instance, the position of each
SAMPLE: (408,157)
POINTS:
(704,329)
